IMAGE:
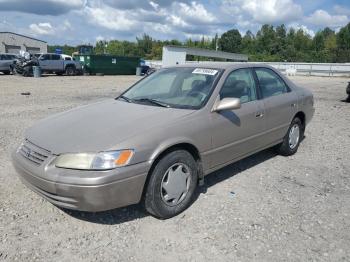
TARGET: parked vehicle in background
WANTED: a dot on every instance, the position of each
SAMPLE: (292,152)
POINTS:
(23,64)
(156,141)
(147,70)
(59,64)
(6,61)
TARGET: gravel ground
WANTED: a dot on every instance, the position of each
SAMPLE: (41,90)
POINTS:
(263,208)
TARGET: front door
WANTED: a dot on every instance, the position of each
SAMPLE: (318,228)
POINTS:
(237,133)
(44,61)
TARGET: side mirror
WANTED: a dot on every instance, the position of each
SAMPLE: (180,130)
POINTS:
(228,103)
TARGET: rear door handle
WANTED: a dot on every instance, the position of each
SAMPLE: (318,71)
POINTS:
(293,105)
(259,114)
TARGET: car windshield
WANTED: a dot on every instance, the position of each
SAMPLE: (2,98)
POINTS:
(174,87)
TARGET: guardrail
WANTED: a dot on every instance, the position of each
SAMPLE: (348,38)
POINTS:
(317,69)
(311,69)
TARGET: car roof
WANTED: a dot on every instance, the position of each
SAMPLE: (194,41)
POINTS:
(222,65)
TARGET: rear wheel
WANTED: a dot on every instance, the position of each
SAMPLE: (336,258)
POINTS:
(70,71)
(172,184)
(292,139)
(6,72)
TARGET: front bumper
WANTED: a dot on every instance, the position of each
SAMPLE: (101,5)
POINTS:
(83,190)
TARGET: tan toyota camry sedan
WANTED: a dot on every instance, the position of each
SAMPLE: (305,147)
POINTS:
(156,141)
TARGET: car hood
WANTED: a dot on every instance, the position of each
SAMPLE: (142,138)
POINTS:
(100,126)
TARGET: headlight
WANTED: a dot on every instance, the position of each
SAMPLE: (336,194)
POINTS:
(90,161)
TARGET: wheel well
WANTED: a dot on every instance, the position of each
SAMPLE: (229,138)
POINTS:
(301,116)
(73,66)
(181,146)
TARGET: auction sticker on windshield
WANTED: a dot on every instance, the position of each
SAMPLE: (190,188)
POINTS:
(205,71)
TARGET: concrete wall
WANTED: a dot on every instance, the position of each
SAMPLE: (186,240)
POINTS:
(12,43)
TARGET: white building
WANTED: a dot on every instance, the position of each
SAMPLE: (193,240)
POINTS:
(176,55)
(13,43)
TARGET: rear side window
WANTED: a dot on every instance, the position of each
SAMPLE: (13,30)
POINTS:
(270,83)
(239,84)
(55,57)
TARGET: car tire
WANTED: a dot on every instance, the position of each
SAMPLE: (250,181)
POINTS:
(70,71)
(171,185)
(6,72)
(291,140)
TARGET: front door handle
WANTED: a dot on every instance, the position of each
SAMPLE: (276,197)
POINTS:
(259,114)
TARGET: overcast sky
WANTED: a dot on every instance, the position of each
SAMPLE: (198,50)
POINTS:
(85,21)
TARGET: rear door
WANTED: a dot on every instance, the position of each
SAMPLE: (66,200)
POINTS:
(279,101)
(237,133)
(5,62)
(2,63)
(56,63)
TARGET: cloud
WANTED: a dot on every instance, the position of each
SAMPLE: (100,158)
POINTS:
(137,4)
(42,29)
(66,25)
(110,18)
(341,10)
(163,17)
(128,4)
(268,11)
(75,21)
(194,12)
(306,30)
(323,18)
(46,28)
(41,7)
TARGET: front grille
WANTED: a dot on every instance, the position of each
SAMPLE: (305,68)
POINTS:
(33,153)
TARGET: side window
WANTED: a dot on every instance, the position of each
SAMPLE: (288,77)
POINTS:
(55,57)
(45,57)
(240,84)
(270,83)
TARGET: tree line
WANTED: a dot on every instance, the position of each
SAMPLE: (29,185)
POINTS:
(270,44)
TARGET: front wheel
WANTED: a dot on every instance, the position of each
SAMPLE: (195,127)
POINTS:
(292,139)
(70,71)
(171,185)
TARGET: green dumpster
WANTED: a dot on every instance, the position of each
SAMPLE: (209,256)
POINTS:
(108,64)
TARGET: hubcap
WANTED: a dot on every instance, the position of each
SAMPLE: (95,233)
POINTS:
(294,135)
(175,184)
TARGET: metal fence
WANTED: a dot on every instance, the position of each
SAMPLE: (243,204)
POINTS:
(311,69)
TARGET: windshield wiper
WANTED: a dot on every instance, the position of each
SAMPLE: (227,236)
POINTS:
(125,98)
(152,101)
